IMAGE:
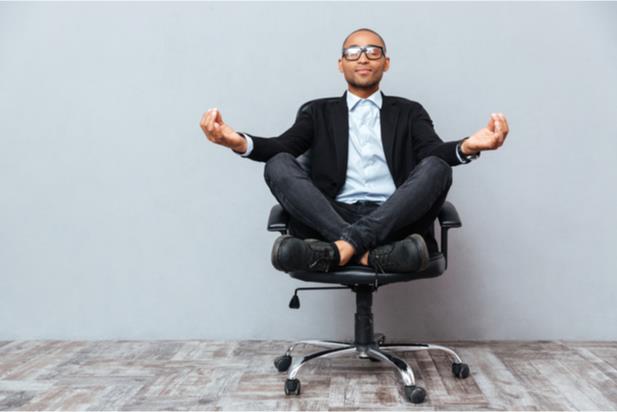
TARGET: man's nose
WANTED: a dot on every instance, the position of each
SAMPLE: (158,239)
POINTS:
(363,58)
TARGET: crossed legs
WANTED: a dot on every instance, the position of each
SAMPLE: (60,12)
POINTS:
(356,229)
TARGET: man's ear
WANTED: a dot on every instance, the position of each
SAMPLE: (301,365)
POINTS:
(340,65)
(387,66)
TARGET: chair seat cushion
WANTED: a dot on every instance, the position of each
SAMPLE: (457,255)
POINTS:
(363,275)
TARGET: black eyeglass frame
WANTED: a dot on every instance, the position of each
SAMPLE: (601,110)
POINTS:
(365,51)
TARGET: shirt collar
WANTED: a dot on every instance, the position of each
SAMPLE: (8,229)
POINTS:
(352,99)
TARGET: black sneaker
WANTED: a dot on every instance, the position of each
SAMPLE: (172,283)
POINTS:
(292,254)
(407,255)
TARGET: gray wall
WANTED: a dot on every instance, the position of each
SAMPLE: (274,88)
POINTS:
(118,219)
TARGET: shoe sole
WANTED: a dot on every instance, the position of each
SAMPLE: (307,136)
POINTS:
(422,250)
(275,252)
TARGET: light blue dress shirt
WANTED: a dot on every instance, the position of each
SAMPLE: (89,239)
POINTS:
(368,177)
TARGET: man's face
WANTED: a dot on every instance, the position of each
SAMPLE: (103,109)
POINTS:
(363,73)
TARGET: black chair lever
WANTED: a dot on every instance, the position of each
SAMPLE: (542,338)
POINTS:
(294,303)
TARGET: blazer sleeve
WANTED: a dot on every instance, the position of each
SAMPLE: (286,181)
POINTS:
(296,140)
(426,142)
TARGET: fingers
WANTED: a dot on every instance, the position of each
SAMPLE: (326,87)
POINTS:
(202,122)
(218,117)
(491,124)
(209,126)
(489,140)
(211,117)
(494,135)
(499,136)
(506,128)
(501,124)
(205,120)
(498,125)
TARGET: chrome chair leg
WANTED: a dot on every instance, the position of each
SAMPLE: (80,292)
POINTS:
(412,347)
(321,343)
(401,366)
(329,353)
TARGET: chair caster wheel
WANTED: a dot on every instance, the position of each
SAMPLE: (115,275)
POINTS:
(282,363)
(460,370)
(415,394)
(292,387)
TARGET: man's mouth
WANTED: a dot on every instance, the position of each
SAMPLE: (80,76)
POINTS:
(363,71)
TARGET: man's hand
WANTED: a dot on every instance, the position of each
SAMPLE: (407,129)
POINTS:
(220,133)
(489,138)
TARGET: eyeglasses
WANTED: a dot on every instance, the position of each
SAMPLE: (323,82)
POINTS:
(372,52)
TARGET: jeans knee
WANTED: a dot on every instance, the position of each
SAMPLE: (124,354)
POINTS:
(275,166)
(438,166)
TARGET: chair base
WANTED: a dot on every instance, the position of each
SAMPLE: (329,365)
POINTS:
(375,352)
(367,344)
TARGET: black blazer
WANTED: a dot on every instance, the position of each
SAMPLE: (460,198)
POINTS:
(322,125)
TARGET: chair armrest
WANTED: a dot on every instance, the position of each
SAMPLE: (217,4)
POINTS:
(277,222)
(448,216)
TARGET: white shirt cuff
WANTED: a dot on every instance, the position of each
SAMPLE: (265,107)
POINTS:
(249,143)
(460,159)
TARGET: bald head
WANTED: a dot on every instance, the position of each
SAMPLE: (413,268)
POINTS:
(349,39)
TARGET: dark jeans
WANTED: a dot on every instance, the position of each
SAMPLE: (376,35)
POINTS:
(412,208)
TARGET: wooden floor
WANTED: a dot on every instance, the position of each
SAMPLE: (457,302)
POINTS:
(239,375)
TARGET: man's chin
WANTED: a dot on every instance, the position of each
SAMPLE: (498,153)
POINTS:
(364,86)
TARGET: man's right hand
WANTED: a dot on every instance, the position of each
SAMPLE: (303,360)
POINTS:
(220,133)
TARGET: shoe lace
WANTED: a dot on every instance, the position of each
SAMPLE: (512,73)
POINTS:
(321,256)
(377,265)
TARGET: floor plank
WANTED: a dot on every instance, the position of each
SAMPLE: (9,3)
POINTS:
(239,375)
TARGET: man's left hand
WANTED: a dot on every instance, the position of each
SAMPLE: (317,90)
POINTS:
(489,138)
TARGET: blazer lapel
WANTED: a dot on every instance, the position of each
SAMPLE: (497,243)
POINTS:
(388,119)
(341,135)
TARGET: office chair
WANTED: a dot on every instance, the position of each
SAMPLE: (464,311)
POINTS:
(363,281)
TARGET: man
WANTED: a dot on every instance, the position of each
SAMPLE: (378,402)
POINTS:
(378,176)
